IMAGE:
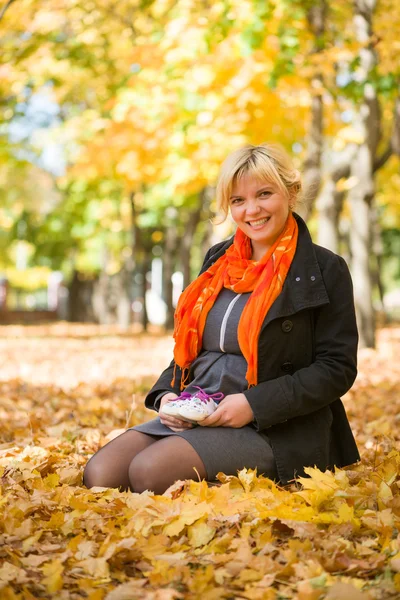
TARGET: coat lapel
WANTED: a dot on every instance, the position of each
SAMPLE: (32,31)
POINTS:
(304,286)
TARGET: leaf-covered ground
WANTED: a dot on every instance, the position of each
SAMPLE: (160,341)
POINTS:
(65,390)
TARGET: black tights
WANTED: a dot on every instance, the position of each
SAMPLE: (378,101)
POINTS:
(136,461)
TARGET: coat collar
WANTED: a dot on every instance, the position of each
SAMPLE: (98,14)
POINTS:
(304,286)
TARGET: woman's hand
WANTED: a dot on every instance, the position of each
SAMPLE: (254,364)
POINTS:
(172,422)
(233,411)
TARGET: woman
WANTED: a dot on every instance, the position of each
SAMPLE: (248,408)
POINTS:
(270,324)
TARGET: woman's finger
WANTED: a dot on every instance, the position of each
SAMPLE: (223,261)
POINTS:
(175,422)
(171,422)
(214,420)
(169,419)
(176,428)
(183,426)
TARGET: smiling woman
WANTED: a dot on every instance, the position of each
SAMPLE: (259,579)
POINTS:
(260,211)
(259,191)
(265,345)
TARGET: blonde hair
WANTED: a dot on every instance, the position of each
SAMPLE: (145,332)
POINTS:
(268,162)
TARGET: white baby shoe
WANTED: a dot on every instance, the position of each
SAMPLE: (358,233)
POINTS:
(171,407)
(200,406)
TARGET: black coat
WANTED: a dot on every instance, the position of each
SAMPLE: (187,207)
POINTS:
(307,359)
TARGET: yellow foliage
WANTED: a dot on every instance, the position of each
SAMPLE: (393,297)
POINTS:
(28,279)
(53,579)
(244,536)
(200,534)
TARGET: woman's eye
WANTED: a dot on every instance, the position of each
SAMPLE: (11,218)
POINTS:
(267,193)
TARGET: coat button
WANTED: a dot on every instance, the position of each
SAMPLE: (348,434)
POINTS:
(287,367)
(287,326)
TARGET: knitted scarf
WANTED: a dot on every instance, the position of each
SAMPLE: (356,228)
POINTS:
(236,271)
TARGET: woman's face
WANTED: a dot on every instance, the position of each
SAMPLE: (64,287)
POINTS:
(260,211)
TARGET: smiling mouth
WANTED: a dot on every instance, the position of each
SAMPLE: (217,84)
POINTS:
(258,222)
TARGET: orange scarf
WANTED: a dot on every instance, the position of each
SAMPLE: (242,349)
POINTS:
(237,272)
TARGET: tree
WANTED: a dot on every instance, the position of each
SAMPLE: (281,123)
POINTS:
(154,95)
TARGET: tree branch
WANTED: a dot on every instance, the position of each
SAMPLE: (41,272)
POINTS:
(381,160)
(5,8)
(394,142)
(395,139)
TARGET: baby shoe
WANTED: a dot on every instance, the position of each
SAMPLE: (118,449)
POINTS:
(171,407)
(199,406)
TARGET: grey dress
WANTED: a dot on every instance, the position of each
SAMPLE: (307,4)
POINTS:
(221,367)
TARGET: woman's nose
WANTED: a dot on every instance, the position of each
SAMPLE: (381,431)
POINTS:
(252,207)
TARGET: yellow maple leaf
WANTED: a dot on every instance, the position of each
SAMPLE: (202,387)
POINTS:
(9,572)
(346,512)
(70,475)
(247,477)
(96,567)
(86,549)
(53,579)
(31,541)
(318,479)
(51,481)
(200,533)
(56,520)
(189,515)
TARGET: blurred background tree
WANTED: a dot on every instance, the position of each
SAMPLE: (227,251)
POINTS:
(115,118)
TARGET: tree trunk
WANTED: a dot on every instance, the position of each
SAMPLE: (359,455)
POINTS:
(361,195)
(187,238)
(141,258)
(330,200)
(316,18)
(80,299)
(210,236)
(329,204)
(169,262)
(145,268)
(360,242)
(100,295)
(395,139)
(377,251)
(124,306)
(135,231)
(207,239)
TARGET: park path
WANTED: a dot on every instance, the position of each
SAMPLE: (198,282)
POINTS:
(66,355)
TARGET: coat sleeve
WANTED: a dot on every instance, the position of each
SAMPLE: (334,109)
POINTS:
(163,383)
(163,386)
(335,364)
